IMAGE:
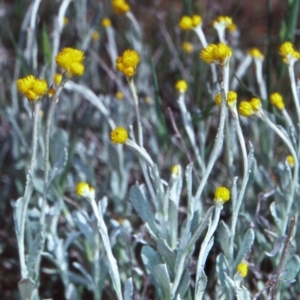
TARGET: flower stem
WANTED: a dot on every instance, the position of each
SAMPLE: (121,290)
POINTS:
(28,190)
(288,143)
(245,178)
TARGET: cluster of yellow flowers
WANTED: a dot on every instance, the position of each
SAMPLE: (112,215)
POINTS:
(70,60)
(127,62)
(288,53)
(231,98)
(216,53)
(222,195)
(248,108)
(33,88)
(120,6)
(188,23)
(223,21)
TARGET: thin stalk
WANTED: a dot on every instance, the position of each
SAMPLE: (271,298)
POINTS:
(236,209)
(294,89)
(241,71)
(137,110)
(287,118)
(219,139)
(296,168)
(198,30)
(259,77)
(28,190)
(295,96)
(187,122)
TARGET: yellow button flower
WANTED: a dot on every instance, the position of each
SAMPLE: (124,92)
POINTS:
(83,189)
(290,160)
(175,170)
(95,36)
(187,47)
(120,6)
(33,88)
(57,78)
(106,22)
(119,95)
(231,98)
(222,194)
(245,109)
(255,53)
(70,60)
(196,20)
(216,53)
(255,103)
(288,53)
(232,27)
(181,86)
(188,23)
(119,135)
(242,269)
(223,21)
(218,99)
(277,100)
(127,62)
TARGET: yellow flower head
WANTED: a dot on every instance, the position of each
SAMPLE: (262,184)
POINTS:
(65,20)
(216,53)
(256,104)
(70,60)
(187,47)
(196,20)
(222,194)
(232,27)
(231,98)
(33,88)
(175,170)
(288,53)
(119,135)
(245,109)
(218,99)
(127,62)
(242,269)
(120,6)
(51,92)
(290,160)
(181,86)
(223,21)
(119,95)
(57,78)
(188,23)
(255,53)
(83,189)
(95,36)
(106,22)
(277,100)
